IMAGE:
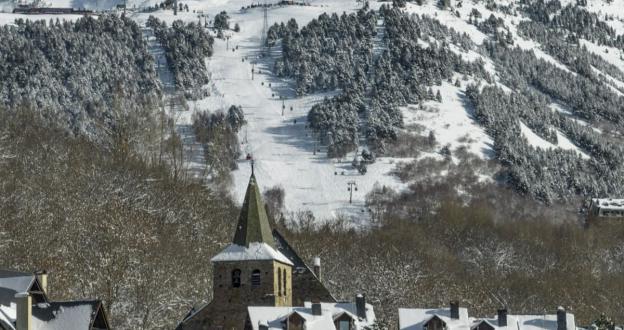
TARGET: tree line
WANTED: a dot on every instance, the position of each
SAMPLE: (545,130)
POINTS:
(89,75)
(186,47)
(338,53)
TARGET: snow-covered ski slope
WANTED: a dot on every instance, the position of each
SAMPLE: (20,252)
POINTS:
(284,150)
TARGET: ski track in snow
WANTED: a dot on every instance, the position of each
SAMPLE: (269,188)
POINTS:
(193,151)
(283,151)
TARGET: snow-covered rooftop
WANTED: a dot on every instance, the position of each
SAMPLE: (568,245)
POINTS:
(12,283)
(64,315)
(415,319)
(609,203)
(255,251)
(7,317)
(273,316)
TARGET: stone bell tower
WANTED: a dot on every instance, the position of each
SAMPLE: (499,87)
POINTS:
(248,272)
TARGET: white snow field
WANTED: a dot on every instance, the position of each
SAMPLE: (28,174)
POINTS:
(282,150)
(452,121)
(562,141)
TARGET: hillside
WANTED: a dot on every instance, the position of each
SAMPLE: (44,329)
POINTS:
(574,130)
(489,123)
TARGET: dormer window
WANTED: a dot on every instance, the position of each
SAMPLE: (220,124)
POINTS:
(435,323)
(344,321)
(255,277)
(294,322)
(483,326)
(236,278)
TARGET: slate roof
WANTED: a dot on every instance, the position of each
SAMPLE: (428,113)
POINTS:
(12,283)
(253,239)
(273,316)
(65,315)
(415,318)
(253,222)
(301,270)
(46,315)
(539,322)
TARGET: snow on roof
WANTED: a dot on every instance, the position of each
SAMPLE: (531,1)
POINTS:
(55,315)
(7,317)
(491,322)
(64,315)
(539,322)
(349,308)
(273,316)
(415,318)
(12,283)
(255,251)
(609,203)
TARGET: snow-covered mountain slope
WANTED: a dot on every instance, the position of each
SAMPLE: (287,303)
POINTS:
(283,147)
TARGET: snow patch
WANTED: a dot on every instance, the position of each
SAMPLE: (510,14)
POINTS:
(538,142)
(452,121)
(255,251)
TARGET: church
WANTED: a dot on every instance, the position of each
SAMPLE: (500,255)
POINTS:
(259,279)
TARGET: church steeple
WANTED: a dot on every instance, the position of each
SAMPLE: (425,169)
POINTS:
(253,222)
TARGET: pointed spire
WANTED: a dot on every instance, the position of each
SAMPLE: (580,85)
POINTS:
(253,222)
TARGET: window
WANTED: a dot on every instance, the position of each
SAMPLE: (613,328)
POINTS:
(344,325)
(279,282)
(284,280)
(236,278)
(255,277)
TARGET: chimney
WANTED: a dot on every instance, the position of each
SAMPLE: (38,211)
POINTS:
(24,311)
(316,307)
(561,319)
(502,317)
(455,310)
(360,306)
(42,278)
(317,267)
